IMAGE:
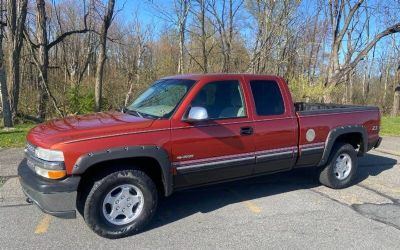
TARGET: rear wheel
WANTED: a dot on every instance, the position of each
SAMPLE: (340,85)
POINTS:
(120,204)
(341,168)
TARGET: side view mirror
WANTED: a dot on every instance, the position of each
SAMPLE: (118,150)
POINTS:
(197,114)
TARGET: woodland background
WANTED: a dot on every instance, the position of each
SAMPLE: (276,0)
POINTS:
(72,57)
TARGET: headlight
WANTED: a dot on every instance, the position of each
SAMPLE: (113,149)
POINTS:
(46,162)
(48,154)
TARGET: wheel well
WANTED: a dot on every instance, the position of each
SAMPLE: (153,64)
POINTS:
(97,171)
(355,139)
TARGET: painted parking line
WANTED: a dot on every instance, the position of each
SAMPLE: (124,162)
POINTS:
(253,207)
(43,225)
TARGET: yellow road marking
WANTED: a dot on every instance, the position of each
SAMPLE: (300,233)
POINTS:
(43,225)
(249,204)
(253,207)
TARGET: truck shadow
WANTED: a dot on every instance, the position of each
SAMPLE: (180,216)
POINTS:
(207,199)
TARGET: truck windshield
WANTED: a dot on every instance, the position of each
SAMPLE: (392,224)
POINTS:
(161,99)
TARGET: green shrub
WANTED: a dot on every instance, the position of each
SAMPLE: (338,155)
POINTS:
(80,100)
(303,90)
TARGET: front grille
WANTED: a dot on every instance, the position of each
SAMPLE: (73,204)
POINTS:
(30,149)
(30,154)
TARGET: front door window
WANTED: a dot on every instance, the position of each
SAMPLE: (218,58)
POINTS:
(221,99)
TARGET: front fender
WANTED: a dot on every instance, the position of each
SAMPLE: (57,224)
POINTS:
(155,152)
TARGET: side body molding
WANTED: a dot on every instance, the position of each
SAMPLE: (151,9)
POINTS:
(336,132)
(155,152)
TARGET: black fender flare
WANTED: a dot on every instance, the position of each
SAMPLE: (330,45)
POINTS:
(338,131)
(155,152)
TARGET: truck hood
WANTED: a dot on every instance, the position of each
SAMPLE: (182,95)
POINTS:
(82,127)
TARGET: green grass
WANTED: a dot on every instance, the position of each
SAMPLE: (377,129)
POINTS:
(390,126)
(15,137)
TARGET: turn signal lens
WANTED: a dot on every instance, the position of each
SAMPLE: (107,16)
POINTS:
(56,174)
(50,174)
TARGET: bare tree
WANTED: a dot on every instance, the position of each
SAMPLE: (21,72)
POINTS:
(77,56)
(327,49)
(178,18)
(16,16)
(140,40)
(77,50)
(340,19)
(40,54)
(42,59)
(201,35)
(182,8)
(107,19)
(271,29)
(225,25)
(7,115)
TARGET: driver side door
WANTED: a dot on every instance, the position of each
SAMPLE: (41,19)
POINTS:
(217,148)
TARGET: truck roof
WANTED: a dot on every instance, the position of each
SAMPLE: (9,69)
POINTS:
(201,76)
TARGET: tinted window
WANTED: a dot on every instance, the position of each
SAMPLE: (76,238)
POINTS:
(222,99)
(267,97)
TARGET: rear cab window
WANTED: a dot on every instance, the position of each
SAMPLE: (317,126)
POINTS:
(267,97)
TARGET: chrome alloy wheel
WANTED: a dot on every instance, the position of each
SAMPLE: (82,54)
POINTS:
(123,204)
(342,167)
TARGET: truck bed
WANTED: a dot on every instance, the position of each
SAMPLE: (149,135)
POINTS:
(320,120)
(318,108)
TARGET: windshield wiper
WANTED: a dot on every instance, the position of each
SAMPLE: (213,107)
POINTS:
(139,114)
(132,112)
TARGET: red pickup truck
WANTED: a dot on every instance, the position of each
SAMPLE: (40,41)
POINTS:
(182,132)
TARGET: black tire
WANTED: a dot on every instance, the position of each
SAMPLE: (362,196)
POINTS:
(327,175)
(93,208)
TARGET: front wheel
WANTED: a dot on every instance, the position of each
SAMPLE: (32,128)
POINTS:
(341,168)
(121,204)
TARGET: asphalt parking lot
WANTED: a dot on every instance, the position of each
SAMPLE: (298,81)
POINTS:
(286,210)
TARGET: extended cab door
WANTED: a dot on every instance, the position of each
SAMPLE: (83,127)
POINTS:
(275,124)
(220,147)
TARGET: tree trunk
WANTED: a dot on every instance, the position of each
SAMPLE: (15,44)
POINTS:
(16,16)
(98,92)
(230,36)
(385,86)
(7,115)
(140,50)
(181,62)
(364,81)
(133,81)
(351,88)
(396,101)
(43,57)
(204,36)
(14,79)
(102,54)
(182,11)
(342,15)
